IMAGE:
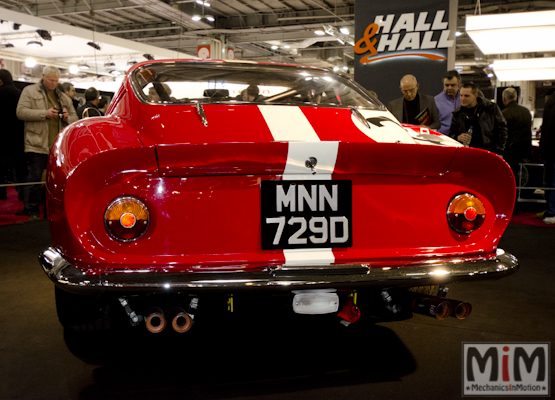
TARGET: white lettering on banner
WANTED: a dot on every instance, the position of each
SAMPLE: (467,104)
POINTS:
(385,34)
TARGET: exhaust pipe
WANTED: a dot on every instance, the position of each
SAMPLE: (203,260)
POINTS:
(440,307)
(155,320)
(181,321)
(435,307)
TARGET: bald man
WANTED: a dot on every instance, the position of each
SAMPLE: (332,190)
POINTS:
(408,107)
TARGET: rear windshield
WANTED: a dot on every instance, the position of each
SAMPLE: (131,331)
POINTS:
(202,82)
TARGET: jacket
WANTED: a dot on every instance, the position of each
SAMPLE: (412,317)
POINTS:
(547,139)
(11,131)
(396,108)
(31,108)
(519,126)
(492,124)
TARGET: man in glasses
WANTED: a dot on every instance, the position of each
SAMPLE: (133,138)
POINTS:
(414,108)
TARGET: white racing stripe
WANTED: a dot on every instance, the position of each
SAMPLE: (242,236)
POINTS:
(289,124)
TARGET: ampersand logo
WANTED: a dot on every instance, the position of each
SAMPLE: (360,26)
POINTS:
(369,33)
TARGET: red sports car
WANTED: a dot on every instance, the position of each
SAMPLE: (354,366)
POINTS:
(213,178)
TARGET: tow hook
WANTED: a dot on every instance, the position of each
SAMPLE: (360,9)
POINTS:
(134,319)
(350,312)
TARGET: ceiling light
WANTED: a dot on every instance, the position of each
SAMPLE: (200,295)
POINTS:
(525,69)
(457,34)
(512,33)
(206,4)
(345,68)
(115,72)
(344,31)
(44,34)
(210,18)
(196,18)
(34,43)
(73,69)
(83,66)
(319,32)
(30,62)
(94,45)
(335,69)
(286,46)
(274,47)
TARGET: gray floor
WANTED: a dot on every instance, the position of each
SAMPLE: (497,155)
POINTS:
(261,357)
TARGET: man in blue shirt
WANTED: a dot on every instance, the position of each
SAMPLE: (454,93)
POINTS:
(448,100)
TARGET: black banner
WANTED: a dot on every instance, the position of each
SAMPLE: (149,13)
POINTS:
(394,38)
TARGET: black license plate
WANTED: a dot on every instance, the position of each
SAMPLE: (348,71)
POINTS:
(306,214)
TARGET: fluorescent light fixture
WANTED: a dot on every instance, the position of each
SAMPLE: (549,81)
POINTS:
(30,62)
(512,33)
(196,18)
(73,69)
(286,46)
(457,34)
(320,33)
(115,72)
(210,18)
(84,66)
(344,31)
(526,69)
(274,47)
(345,68)
(206,4)
(34,43)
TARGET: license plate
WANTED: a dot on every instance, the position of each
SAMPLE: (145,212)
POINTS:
(306,214)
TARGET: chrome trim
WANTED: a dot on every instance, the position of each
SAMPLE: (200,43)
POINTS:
(202,115)
(71,278)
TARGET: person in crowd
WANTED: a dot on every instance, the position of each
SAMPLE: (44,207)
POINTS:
(92,98)
(103,105)
(448,100)
(414,108)
(519,130)
(251,93)
(12,166)
(69,90)
(153,94)
(489,127)
(46,111)
(547,151)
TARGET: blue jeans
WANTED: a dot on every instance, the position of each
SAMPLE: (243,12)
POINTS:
(549,166)
(31,197)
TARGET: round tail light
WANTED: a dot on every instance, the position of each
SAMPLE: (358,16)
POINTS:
(126,219)
(465,213)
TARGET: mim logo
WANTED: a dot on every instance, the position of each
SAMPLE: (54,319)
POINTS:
(506,369)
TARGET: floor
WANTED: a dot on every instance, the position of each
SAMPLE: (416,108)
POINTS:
(265,356)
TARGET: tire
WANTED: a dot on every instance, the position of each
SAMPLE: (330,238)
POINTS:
(81,313)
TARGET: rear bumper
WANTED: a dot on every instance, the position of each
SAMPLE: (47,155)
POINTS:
(70,278)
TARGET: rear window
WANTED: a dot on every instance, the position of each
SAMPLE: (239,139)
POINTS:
(205,82)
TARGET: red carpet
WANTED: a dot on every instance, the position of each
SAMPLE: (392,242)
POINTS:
(10,206)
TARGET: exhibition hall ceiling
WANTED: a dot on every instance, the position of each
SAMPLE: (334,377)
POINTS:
(126,30)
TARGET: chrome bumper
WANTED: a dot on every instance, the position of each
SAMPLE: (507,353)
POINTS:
(71,278)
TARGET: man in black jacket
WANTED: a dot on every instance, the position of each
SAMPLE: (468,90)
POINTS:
(11,134)
(92,96)
(485,118)
(519,129)
(547,150)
